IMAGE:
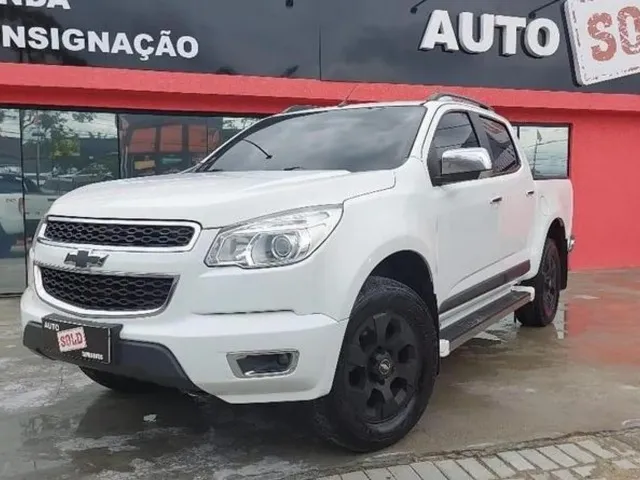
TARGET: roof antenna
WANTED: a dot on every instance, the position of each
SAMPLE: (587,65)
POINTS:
(346,100)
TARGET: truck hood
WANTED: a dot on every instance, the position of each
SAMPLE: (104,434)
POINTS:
(217,199)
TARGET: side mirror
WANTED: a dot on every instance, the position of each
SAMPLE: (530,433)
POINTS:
(463,164)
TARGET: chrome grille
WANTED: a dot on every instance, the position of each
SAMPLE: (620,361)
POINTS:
(119,234)
(107,293)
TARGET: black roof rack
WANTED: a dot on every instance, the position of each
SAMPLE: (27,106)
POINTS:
(297,108)
(460,98)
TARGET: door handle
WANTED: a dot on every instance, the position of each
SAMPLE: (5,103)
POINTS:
(496,200)
(530,193)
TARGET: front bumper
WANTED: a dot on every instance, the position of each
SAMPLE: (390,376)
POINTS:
(196,352)
(140,360)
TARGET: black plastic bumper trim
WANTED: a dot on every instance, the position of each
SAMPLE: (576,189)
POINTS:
(149,362)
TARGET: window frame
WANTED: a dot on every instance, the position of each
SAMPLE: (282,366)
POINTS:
(487,144)
(431,135)
(568,125)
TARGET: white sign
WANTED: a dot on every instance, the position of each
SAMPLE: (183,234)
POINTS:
(541,36)
(605,38)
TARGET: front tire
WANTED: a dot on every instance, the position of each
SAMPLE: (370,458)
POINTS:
(386,370)
(119,383)
(542,310)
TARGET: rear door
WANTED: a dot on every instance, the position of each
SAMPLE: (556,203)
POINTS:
(467,217)
(516,187)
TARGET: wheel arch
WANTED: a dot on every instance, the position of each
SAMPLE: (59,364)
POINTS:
(558,233)
(410,268)
(555,230)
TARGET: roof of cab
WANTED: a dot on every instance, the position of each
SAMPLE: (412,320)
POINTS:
(440,97)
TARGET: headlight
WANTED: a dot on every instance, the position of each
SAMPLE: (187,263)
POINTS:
(275,240)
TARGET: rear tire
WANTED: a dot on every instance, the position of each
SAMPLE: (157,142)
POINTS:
(547,284)
(119,383)
(386,370)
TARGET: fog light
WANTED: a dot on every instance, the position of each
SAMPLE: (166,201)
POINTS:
(263,364)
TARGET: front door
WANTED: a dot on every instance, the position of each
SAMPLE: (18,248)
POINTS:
(467,219)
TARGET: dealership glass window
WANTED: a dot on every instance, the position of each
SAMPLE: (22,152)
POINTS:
(65,150)
(546,148)
(12,247)
(163,144)
(62,151)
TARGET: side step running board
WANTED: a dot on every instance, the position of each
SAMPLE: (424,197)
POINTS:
(468,327)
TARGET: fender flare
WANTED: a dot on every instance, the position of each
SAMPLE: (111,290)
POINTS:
(538,243)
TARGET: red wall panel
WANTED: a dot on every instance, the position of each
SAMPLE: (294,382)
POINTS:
(605,171)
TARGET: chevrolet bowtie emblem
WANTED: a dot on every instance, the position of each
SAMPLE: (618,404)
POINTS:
(83,259)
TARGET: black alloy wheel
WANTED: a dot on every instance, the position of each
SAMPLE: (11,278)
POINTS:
(542,310)
(386,370)
(382,367)
(551,281)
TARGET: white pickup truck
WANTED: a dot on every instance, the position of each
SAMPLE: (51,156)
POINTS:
(325,255)
(22,205)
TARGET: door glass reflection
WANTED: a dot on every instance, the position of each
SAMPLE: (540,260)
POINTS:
(63,151)
(12,248)
(164,144)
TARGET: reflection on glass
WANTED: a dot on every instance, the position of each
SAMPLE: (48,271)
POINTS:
(547,149)
(66,150)
(164,144)
(61,152)
(12,249)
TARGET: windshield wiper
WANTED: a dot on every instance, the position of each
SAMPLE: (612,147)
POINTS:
(289,169)
(267,155)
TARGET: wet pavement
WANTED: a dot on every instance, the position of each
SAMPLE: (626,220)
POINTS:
(509,385)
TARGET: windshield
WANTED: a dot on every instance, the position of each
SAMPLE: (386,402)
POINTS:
(361,139)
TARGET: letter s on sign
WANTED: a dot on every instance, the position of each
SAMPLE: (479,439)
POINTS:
(597,25)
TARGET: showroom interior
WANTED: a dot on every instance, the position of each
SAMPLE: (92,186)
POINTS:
(103,96)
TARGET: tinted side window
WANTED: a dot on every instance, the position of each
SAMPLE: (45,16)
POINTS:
(10,184)
(502,149)
(30,186)
(454,131)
